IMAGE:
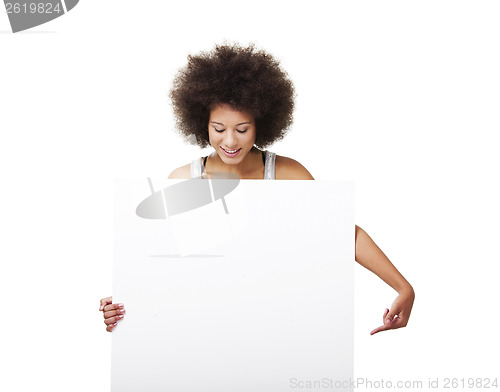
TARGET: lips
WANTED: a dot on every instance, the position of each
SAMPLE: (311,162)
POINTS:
(231,153)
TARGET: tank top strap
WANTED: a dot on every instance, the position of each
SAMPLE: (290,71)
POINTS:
(197,168)
(270,166)
(204,165)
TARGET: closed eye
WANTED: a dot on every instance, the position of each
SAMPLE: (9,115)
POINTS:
(222,130)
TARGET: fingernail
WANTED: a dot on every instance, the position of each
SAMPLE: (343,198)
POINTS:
(120,305)
(114,324)
(120,316)
(122,310)
(387,321)
(100,308)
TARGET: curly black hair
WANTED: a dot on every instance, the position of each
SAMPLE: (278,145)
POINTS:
(242,77)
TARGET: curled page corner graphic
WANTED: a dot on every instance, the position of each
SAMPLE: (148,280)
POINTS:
(25,14)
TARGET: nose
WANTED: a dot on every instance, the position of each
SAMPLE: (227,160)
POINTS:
(230,139)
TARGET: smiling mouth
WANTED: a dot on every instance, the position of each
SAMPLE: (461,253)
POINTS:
(231,151)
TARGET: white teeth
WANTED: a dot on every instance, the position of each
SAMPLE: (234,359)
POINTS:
(230,152)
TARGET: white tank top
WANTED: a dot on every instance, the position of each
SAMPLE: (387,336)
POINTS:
(197,167)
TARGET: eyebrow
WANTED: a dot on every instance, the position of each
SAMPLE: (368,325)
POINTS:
(215,122)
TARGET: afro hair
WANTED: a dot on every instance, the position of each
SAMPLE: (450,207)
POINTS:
(242,77)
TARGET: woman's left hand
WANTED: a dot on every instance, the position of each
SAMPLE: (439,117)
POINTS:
(398,315)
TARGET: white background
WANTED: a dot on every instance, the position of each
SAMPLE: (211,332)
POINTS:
(400,97)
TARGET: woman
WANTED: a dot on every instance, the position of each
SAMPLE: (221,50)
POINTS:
(239,101)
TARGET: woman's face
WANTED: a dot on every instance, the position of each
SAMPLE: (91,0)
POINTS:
(231,133)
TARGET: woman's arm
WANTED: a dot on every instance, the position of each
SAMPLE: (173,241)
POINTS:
(369,255)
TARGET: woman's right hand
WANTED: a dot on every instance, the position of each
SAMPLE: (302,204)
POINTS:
(111,312)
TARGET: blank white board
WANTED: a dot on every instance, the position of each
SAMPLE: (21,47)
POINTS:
(256,299)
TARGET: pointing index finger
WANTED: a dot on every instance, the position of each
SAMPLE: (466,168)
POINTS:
(379,329)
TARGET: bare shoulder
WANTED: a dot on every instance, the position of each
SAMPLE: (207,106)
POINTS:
(183,172)
(290,169)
